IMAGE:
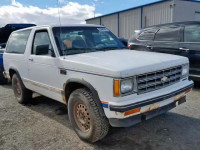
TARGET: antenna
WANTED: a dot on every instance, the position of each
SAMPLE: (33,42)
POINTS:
(60,25)
(59,12)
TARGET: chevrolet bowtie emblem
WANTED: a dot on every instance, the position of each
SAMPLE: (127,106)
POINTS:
(164,79)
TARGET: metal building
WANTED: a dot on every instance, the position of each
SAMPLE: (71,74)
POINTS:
(125,22)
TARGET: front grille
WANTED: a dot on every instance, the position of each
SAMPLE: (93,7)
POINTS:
(159,79)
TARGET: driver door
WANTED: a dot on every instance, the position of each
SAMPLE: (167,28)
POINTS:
(43,66)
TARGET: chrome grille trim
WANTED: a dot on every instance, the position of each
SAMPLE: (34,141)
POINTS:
(153,81)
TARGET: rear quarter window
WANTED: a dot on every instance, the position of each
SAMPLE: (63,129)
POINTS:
(17,42)
(147,35)
(168,34)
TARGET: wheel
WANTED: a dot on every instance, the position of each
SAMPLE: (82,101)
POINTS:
(3,80)
(85,114)
(22,94)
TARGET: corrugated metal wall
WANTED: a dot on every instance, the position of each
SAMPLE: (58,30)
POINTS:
(159,13)
(111,22)
(129,21)
(185,11)
(134,19)
(94,21)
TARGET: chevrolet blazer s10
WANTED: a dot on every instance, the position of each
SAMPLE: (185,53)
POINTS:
(87,68)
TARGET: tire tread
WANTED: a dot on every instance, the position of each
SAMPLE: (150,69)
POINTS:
(101,123)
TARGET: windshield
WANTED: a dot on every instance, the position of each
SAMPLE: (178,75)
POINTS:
(76,40)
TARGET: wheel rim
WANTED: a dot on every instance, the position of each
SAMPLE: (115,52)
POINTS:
(82,117)
(17,89)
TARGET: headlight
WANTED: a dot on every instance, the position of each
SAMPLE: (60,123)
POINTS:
(126,86)
(185,70)
(123,87)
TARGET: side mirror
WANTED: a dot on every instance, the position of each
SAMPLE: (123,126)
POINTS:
(42,50)
(124,41)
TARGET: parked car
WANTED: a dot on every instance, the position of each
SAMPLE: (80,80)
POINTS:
(3,80)
(9,28)
(181,38)
(124,41)
(87,68)
(4,35)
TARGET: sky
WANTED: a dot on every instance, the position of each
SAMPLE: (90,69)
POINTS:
(43,12)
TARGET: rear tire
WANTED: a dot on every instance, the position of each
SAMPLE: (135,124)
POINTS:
(23,95)
(3,80)
(86,117)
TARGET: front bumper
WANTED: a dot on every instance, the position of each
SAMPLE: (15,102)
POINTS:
(149,101)
(127,122)
(148,108)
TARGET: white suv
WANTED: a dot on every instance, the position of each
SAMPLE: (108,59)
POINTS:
(87,68)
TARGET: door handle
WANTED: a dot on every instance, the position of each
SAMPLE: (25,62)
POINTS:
(184,49)
(30,59)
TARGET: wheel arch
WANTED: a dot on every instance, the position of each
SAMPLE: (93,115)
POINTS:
(12,71)
(73,84)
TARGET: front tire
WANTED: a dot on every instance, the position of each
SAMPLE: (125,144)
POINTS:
(23,95)
(86,117)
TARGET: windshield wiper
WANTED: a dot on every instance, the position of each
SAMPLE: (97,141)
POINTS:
(107,48)
(72,51)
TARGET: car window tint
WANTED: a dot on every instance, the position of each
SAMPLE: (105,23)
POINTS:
(147,35)
(168,34)
(42,39)
(17,42)
(192,33)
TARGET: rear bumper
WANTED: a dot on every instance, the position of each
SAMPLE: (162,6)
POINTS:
(195,77)
(4,74)
(195,74)
(150,101)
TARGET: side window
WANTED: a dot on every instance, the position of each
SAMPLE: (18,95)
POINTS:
(147,35)
(192,33)
(42,44)
(17,42)
(168,34)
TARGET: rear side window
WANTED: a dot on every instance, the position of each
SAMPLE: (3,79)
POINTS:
(147,35)
(17,42)
(168,34)
(192,33)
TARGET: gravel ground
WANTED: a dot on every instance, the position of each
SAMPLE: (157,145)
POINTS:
(44,124)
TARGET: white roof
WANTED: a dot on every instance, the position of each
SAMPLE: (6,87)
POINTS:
(68,25)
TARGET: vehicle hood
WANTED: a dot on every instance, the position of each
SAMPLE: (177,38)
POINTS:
(120,63)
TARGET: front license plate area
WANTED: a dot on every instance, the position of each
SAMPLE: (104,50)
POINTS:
(179,97)
(154,106)
(182,100)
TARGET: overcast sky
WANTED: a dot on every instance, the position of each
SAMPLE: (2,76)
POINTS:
(43,12)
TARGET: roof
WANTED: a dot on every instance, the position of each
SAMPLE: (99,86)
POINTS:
(174,23)
(159,1)
(69,25)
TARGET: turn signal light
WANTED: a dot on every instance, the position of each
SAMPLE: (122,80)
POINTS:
(116,88)
(132,111)
(188,91)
